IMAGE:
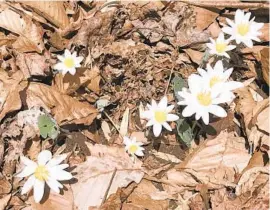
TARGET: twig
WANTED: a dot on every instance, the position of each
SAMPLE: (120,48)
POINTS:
(113,125)
(109,186)
(230,4)
(169,80)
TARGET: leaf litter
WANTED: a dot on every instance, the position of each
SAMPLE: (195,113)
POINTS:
(133,52)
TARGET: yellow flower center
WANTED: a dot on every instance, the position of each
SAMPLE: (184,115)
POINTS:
(160,116)
(204,98)
(133,148)
(41,173)
(221,47)
(243,29)
(214,80)
(69,62)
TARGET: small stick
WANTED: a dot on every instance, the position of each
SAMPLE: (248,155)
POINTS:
(168,84)
(240,5)
(109,186)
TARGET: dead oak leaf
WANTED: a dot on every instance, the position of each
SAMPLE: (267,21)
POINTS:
(94,175)
(30,34)
(84,77)
(66,110)
(10,92)
(53,11)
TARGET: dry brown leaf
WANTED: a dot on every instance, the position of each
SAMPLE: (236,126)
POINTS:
(141,197)
(30,38)
(65,109)
(265,33)
(54,201)
(53,11)
(265,64)
(7,39)
(32,64)
(195,56)
(84,77)
(10,92)
(4,201)
(95,174)
(5,186)
(205,17)
(124,123)
(214,162)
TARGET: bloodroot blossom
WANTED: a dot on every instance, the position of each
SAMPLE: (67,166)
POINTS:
(68,63)
(47,170)
(158,115)
(220,46)
(243,30)
(132,147)
(201,100)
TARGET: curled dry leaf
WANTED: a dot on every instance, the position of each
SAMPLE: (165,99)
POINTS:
(204,17)
(30,34)
(54,201)
(32,64)
(141,197)
(4,201)
(95,175)
(66,110)
(53,11)
(84,77)
(7,39)
(209,163)
(10,92)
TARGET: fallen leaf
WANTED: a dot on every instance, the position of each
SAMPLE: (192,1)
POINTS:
(54,201)
(124,123)
(84,77)
(30,38)
(66,110)
(204,17)
(10,92)
(32,64)
(106,130)
(53,11)
(265,64)
(214,163)
(195,56)
(264,33)
(140,197)
(95,175)
(7,40)
(4,201)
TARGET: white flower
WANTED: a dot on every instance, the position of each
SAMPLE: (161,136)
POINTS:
(158,115)
(46,170)
(68,63)
(133,147)
(201,99)
(218,78)
(243,29)
(220,46)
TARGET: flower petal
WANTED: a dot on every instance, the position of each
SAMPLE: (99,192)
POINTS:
(218,111)
(163,103)
(157,129)
(54,185)
(167,126)
(44,157)
(172,117)
(188,111)
(72,71)
(67,53)
(59,174)
(27,171)
(26,161)
(169,108)
(139,153)
(57,160)
(38,190)
(28,185)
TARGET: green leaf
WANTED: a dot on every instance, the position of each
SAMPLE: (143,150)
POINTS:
(183,128)
(178,84)
(47,127)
